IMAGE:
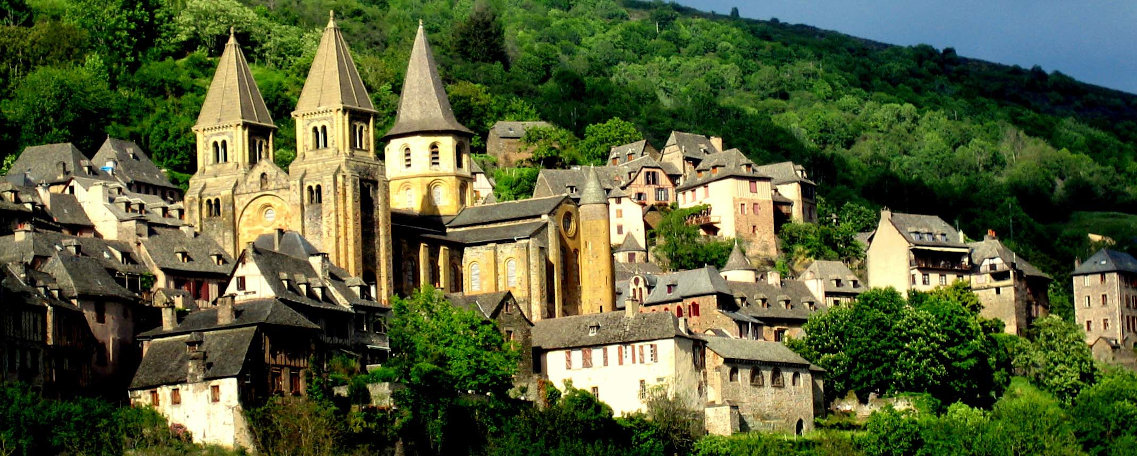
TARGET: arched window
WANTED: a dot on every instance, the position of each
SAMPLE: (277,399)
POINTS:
(216,152)
(795,379)
(462,194)
(679,311)
(409,196)
(436,195)
(799,428)
(319,193)
(511,272)
(733,374)
(311,195)
(694,309)
(315,138)
(323,136)
(460,156)
(475,277)
(455,278)
(224,151)
(406,157)
(409,273)
(264,181)
(776,379)
(755,376)
(435,156)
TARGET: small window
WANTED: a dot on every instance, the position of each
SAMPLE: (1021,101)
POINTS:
(154,398)
(1105,324)
(215,393)
(406,157)
(694,309)
(100,312)
(241,283)
(475,277)
(653,353)
(1104,299)
(1089,325)
(604,356)
(776,379)
(593,329)
(926,280)
(733,375)
(753,186)
(568,359)
(511,273)
(294,382)
(943,280)
(586,358)
(435,156)
(795,379)
(643,389)
(756,377)
(175,396)
(595,391)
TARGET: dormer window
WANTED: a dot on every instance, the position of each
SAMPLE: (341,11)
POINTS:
(715,170)
(218,259)
(786,303)
(593,329)
(943,237)
(183,257)
(837,283)
(571,189)
(670,289)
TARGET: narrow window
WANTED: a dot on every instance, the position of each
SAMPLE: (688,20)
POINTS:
(216,152)
(653,351)
(154,398)
(319,193)
(215,393)
(175,396)
(586,358)
(511,272)
(294,382)
(776,379)
(795,379)
(1104,299)
(1089,325)
(406,157)
(604,356)
(1105,324)
(568,359)
(224,151)
(733,375)
(315,138)
(100,312)
(595,391)
(435,158)
(753,186)
(323,136)
(475,277)
(679,311)
(755,376)
(643,389)
(241,283)
(460,156)
(694,309)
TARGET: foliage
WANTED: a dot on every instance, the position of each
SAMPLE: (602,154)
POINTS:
(481,37)
(600,138)
(1103,414)
(1056,358)
(676,424)
(682,246)
(450,360)
(295,426)
(813,241)
(883,344)
(514,183)
(60,104)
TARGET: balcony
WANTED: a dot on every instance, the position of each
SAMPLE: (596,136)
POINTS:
(703,218)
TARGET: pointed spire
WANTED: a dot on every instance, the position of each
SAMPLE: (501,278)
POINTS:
(233,95)
(333,80)
(423,106)
(737,261)
(593,192)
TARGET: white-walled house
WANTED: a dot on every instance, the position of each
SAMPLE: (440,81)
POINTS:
(619,356)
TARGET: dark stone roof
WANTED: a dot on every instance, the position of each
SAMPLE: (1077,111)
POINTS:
(233,96)
(507,211)
(692,282)
(486,305)
(333,81)
(625,271)
(753,350)
(613,328)
(793,290)
(164,244)
(131,164)
(738,261)
(482,235)
(593,192)
(275,266)
(785,172)
(41,164)
(253,312)
(166,361)
(515,130)
(1106,260)
(994,248)
(556,182)
(906,224)
(85,277)
(719,166)
(827,271)
(66,210)
(637,149)
(291,243)
(423,106)
(43,245)
(691,145)
(630,244)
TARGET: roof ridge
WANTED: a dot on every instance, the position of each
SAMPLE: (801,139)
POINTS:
(233,95)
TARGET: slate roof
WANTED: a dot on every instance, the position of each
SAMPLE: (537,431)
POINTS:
(1106,260)
(66,210)
(827,271)
(46,244)
(253,312)
(515,130)
(630,244)
(692,282)
(906,224)
(84,277)
(41,164)
(482,235)
(637,149)
(423,106)
(275,266)
(738,261)
(164,244)
(613,328)
(994,248)
(485,304)
(507,211)
(731,163)
(691,145)
(131,163)
(784,172)
(793,290)
(333,81)
(291,244)
(625,271)
(754,350)
(166,360)
(233,96)
(593,192)
(552,182)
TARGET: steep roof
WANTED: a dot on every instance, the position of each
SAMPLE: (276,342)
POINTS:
(41,164)
(83,276)
(612,328)
(753,350)
(691,145)
(692,282)
(254,312)
(423,106)
(993,248)
(233,96)
(333,81)
(738,261)
(485,305)
(630,244)
(290,243)
(907,224)
(784,172)
(794,291)
(131,164)
(827,271)
(164,244)
(722,165)
(593,192)
(507,211)
(66,210)
(167,360)
(275,267)
(636,149)
(515,130)
(1106,260)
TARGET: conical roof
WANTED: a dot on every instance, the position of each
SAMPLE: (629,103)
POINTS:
(233,96)
(738,261)
(593,192)
(630,244)
(423,106)
(333,80)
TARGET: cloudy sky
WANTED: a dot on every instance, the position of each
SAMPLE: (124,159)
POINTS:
(1094,41)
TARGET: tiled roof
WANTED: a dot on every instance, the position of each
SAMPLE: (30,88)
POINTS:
(164,245)
(827,271)
(254,312)
(630,244)
(66,210)
(481,235)
(233,95)
(333,81)
(611,328)
(1106,260)
(993,248)
(275,267)
(85,277)
(131,164)
(486,305)
(423,106)
(794,291)
(691,145)
(41,164)
(692,282)
(728,164)
(593,192)
(637,149)
(738,261)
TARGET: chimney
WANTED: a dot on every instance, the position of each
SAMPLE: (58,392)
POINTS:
(990,235)
(683,327)
(276,235)
(773,277)
(717,142)
(141,229)
(962,237)
(73,246)
(23,232)
(225,310)
(631,307)
(318,264)
(195,368)
(169,318)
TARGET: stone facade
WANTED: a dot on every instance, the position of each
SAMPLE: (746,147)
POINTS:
(771,394)
(504,142)
(1105,297)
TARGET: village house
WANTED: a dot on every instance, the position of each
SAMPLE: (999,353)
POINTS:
(781,306)
(755,385)
(1105,304)
(504,142)
(620,356)
(702,297)
(916,252)
(626,153)
(832,282)
(184,260)
(501,308)
(1010,288)
(207,371)
(794,193)
(683,152)
(739,200)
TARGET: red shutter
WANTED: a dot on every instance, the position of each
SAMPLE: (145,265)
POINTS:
(642,359)
(568,359)
(620,354)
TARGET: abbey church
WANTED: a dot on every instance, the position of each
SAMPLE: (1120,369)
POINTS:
(397,225)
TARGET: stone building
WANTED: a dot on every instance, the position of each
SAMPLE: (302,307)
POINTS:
(832,282)
(504,142)
(791,182)
(627,153)
(1010,288)
(779,306)
(620,356)
(683,152)
(769,386)
(916,252)
(1105,300)
(186,261)
(207,371)
(739,199)
(501,308)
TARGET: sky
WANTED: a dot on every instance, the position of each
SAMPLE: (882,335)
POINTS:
(1094,41)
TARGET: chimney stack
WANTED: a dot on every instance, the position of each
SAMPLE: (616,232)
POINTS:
(991,235)
(717,142)
(73,246)
(279,233)
(631,307)
(23,232)
(169,318)
(683,326)
(773,277)
(225,313)
(195,368)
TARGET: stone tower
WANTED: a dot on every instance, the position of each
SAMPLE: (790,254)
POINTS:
(340,184)
(234,132)
(597,283)
(428,151)
(738,267)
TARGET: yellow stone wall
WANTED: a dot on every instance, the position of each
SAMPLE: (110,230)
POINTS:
(412,188)
(596,278)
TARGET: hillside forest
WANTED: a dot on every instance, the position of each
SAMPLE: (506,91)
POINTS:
(1038,157)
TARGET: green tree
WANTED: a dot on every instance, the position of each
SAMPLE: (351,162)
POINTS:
(480,37)
(682,245)
(60,105)
(600,138)
(553,147)
(1103,414)
(1056,358)
(514,183)
(121,31)
(450,361)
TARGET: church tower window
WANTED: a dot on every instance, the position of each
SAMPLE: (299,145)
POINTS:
(315,138)
(406,157)
(475,277)
(435,158)
(323,136)
(409,196)
(460,157)
(319,195)
(436,195)
(462,194)
(264,181)
(511,273)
